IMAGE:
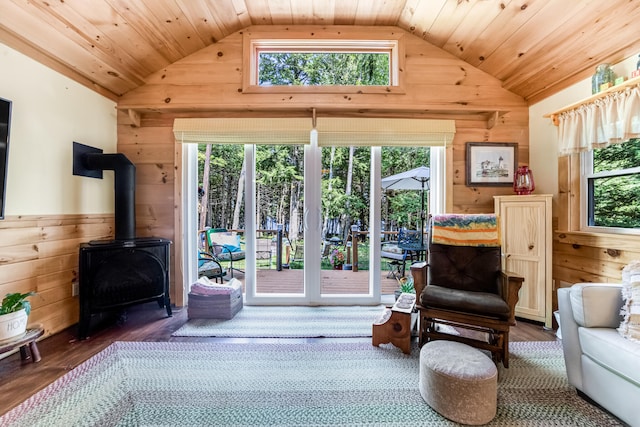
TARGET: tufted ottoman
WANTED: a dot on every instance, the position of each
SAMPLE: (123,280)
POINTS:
(458,381)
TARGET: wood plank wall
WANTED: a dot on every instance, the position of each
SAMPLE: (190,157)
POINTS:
(580,256)
(209,84)
(40,253)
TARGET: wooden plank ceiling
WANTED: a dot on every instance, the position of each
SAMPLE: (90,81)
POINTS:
(535,47)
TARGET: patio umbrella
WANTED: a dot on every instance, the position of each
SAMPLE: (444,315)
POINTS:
(414,179)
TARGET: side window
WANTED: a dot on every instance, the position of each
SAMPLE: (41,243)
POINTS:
(611,187)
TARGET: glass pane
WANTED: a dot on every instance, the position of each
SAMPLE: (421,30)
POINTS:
(221,210)
(405,207)
(323,69)
(345,220)
(615,201)
(279,206)
(617,156)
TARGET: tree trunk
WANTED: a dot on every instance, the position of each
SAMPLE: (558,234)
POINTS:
(347,192)
(204,201)
(325,223)
(294,229)
(239,197)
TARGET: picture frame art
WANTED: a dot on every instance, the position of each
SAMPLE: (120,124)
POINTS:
(491,163)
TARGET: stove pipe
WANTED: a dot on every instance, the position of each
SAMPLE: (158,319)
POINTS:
(125,190)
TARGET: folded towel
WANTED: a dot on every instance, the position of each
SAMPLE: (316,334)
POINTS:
(466,230)
(204,286)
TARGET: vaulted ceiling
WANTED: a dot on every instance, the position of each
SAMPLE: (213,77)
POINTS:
(535,47)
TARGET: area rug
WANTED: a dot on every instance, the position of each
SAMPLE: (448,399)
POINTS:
(288,384)
(287,322)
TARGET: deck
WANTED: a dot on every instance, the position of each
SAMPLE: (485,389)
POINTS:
(289,281)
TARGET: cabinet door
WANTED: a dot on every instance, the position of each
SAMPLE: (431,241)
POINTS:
(523,228)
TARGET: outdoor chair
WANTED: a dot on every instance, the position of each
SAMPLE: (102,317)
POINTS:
(298,254)
(225,246)
(407,248)
(209,266)
(465,286)
(264,250)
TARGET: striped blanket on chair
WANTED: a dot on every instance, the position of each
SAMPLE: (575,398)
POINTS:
(466,230)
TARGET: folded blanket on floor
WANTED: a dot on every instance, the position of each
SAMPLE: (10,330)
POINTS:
(204,286)
(466,230)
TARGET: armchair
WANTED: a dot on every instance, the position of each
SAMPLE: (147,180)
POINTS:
(465,287)
(225,247)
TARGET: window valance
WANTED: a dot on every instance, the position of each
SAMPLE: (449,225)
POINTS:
(331,131)
(243,130)
(609,119)
(385,132)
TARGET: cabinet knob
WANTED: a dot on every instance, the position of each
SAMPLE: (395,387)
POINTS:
(531,247)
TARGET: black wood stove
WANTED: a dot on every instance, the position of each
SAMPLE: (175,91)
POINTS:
(115,274)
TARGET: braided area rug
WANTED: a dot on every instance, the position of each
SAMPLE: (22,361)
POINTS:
(288,384)
(288,322)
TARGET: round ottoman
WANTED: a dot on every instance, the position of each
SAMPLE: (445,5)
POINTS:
(458,381)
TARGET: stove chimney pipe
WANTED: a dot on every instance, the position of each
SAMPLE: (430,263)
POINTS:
(125,190)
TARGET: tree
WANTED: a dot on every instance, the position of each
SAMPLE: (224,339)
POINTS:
(323,69)
(204,201)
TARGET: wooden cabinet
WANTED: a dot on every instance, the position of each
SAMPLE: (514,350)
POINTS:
(525,226)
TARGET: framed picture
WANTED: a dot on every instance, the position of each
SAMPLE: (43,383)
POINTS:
(491,163)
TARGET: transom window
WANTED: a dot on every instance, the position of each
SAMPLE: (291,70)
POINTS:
(323,68)
(326,65)
(611,184)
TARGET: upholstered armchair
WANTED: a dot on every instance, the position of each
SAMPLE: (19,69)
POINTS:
(465,287)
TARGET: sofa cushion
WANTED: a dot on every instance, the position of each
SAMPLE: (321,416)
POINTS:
(605,347)
(597,305)
(630,325)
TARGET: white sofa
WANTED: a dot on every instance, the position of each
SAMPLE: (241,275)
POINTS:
(600,362)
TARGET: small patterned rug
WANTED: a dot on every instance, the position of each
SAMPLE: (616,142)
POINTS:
(288,384)
(287,322)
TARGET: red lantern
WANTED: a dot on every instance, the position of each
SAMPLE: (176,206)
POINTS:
(523,181)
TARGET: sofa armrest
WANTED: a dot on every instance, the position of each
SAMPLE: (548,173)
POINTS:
(596,305)
(570,339)
(585,305)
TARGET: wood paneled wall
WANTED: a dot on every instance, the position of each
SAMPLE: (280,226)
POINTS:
(580,256)
(40,253)
(209,84)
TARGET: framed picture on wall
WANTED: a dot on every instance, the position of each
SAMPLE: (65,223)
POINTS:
(491,163)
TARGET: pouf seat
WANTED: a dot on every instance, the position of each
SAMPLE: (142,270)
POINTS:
(459,382)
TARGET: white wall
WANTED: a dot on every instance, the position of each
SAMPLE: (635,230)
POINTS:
(49,112)
(543,134)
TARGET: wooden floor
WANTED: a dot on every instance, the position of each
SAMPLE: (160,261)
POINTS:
(62,352)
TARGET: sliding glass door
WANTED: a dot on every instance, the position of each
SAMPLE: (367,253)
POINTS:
(317,231)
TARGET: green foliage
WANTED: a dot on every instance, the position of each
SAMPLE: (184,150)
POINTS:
(323,69)
(13,302)
(615,198)
(406,285)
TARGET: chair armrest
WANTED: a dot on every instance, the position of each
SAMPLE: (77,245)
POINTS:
(596,305)
(510,284)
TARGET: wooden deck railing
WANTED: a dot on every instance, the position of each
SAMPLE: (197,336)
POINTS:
(350,248)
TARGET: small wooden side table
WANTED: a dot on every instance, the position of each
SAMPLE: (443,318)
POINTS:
(27,343)
(395,325)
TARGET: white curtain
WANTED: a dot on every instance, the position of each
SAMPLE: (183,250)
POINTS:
(612,119)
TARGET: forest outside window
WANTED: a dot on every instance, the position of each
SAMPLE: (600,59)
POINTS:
(611,185)
(322,66)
